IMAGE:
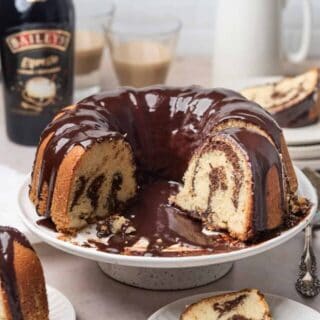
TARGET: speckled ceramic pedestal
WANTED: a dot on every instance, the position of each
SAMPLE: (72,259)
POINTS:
(166,279)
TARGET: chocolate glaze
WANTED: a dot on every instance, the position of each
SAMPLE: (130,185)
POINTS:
(7,270)
(163,126)
(298,115)
(164,222)
(263,156)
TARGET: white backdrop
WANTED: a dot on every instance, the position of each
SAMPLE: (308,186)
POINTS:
(198,21)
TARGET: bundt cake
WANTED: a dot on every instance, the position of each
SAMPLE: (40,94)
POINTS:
(229,153)
(23,292)
(293,101)
(242,305)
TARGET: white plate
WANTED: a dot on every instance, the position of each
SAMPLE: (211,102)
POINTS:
(281,308)
(312,164)
(303,135)
(295,136)
(29,217)
(60,308)
(307,152)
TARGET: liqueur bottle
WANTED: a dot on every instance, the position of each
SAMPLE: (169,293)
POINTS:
(37,53)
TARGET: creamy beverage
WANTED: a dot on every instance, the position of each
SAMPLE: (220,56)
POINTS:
(140,63)
(89,51)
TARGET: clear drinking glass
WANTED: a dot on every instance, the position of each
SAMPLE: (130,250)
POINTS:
(93,17)
(142,48)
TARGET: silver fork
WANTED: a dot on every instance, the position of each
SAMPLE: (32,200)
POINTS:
(308,283)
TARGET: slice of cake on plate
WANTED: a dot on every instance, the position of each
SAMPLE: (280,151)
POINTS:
(248,304)
(293,101)
(22,286)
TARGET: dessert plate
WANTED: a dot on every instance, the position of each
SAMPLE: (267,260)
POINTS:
(281,308)
(294,136)
(306,152)
(60,308)
(312,164)
(303,136)
(30,217)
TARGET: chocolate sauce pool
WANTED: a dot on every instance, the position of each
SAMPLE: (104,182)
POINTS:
(163,225)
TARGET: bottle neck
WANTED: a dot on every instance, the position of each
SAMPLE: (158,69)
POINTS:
(17,12)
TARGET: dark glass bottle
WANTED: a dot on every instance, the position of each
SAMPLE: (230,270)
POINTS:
(37,53)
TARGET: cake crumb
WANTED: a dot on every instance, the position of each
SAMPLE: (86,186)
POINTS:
(114,224)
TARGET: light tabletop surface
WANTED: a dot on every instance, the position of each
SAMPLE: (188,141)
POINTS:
(95,296)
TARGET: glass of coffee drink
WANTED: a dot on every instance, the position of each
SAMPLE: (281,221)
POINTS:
(142,48)
(92,19)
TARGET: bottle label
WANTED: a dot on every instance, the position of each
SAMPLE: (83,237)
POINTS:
(37,39)
(39,66)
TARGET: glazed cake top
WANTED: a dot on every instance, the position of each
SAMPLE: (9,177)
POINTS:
(163,125)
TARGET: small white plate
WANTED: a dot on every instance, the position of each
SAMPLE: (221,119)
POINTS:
(307,152)
(303,135)
(60,308)
(281,308)
(295,136)
(312,164)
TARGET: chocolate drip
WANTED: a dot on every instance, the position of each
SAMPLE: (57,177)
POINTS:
(163,126)
(262,158)
(81,126)
(224,307)
(7,269)
(47,223)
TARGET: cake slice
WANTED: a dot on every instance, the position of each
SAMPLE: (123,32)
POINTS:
(248,304)
(231,180)
(293,101)
(22,286)
(88,184)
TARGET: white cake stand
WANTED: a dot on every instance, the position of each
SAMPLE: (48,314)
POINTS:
(162,273)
